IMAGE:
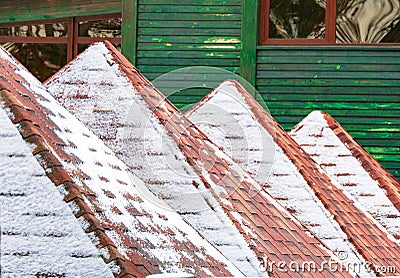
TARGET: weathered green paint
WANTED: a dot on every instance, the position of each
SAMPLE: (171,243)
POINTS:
(129,29)
(174,35)
(16,11)
(358,85)
(248,54)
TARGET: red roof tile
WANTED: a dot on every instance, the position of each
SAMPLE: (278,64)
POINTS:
(119,245)
(268,227)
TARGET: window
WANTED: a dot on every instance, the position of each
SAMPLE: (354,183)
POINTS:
(329,21)
(45,46)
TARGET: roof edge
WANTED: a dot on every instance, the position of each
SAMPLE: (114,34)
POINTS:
(375,170)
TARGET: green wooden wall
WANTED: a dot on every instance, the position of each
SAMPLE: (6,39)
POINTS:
(358,85)
(172,35)
(14,11)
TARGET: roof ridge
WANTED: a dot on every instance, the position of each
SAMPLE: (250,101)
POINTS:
(385,253)
(231,187)
(376,171)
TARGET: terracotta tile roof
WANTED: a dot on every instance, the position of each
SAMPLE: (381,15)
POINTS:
(39,234)
(229,121)
(369,238)
(130,129)
(270,229)
(135,236)
(345,160)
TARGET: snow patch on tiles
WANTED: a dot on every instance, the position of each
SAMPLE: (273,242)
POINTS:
(141,141)
(40,235)
(155,226)
(318,139)
(280,176)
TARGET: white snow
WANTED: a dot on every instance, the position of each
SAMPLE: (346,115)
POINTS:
(318,139)
(39,233)
(227,120)
(108,174)
(140,140)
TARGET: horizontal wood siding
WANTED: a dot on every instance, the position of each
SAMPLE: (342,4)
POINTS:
(358,85)
(14,11)
(173,35)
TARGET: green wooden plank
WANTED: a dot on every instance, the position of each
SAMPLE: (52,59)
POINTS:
(384,151)
(249,41)
(334,67)
(299,59)
(321,97)
(184,62)
(192,2)
(338,51)
(188,47)
(338,105)
(290,74)
(129,30)
(189,40)
(189,24)
(188,32)
(324,82)
(189,16)
(188,54)
(15,11)
(174,8)
(350,113)
(337,47)
(339,90)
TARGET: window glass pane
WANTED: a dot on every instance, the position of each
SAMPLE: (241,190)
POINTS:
(36,30)
(42,60)
(368,21)
(292,19)
(103,28)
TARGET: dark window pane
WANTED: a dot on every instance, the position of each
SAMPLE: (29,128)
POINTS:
(103,28)
(37,30)
(42,60)
(368,21)
(292,19)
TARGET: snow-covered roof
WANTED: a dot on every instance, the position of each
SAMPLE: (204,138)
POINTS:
(96,90)
(39,234)
(134,235)
(178,162)
(293,178)
(328,143)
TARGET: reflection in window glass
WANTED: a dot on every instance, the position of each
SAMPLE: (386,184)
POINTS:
(104,28)
(37,30)
(368,21)
(292,19)
(42,59)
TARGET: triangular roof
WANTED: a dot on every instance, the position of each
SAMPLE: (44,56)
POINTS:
(354,168)
(39,234)
(293,174)
(267,226)
(135,236)
(95,89)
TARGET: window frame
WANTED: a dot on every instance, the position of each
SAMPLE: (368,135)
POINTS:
(330,30)
(72,40)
